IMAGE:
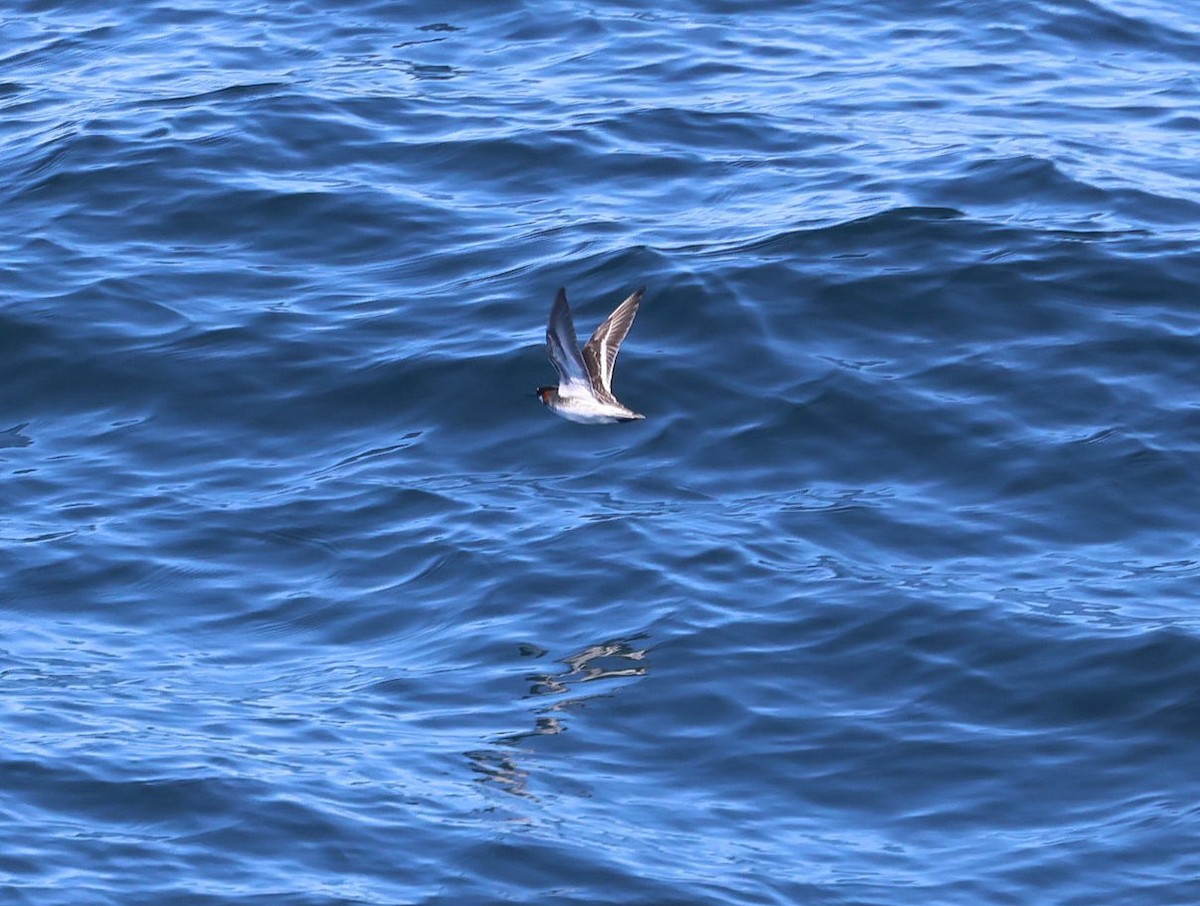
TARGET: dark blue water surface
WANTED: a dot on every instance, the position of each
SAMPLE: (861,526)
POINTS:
(891,599)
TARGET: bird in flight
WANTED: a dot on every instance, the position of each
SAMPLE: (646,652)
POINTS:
(584,392)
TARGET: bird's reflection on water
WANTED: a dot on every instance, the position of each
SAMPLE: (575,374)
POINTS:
(612,660)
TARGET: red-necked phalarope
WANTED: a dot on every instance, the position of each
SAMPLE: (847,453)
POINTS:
(584,391)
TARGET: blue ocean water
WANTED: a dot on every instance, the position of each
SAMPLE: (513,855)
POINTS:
(892,599)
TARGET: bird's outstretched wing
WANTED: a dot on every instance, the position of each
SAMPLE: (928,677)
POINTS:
(563,348)
(600,353)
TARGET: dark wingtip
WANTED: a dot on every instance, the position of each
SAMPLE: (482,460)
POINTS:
(561,295)
(641,291)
